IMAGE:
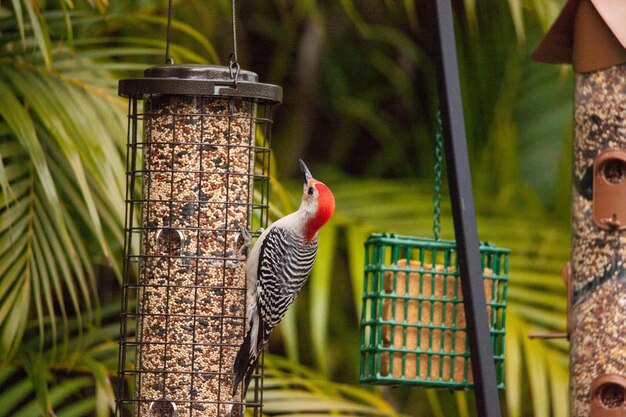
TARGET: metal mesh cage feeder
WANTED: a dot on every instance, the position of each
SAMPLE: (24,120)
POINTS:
(197,176)
(413,330)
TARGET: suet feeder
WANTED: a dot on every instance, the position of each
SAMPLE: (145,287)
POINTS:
(197,179)
(413,326)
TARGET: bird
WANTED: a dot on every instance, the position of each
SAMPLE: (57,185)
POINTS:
(277,268)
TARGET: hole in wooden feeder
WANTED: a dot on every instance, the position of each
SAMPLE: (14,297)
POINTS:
(611,395)
(614,171)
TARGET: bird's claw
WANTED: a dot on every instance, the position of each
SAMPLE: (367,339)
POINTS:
(236,410)
(242,243)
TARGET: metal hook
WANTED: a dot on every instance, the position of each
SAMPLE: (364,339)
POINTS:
(234,68)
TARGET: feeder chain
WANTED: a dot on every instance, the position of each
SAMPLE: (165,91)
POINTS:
(438,177)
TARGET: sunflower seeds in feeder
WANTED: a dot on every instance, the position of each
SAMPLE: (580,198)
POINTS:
(203,152)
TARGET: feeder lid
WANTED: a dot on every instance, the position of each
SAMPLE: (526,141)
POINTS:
(200,80)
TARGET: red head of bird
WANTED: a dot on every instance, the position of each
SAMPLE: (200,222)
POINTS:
(318,203)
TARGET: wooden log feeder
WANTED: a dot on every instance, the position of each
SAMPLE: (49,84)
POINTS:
(591,35)
(197,179)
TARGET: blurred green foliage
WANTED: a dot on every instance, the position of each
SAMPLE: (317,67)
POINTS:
(360,100)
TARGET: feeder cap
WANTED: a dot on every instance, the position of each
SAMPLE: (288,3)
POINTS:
(200,80)
(198,72)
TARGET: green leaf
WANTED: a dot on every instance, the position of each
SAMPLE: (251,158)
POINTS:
(14,325)
(23,128)
(538,378)
(40,31)
(57,395)
(39,376)
(14,395)
(69,30)
(322,281)
(43,94)
(40,271)
(78,408)
(318,404)
(357,20)
(289,330)
(461,403)
(19,15)
(356,235)
(435,404)
(105,397)
(559,389)
(513,374)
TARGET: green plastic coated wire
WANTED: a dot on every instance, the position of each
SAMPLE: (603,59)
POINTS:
(438,177)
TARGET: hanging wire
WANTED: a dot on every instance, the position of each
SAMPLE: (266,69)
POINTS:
(234,54)
(168,60)
(438,177)
(234,62)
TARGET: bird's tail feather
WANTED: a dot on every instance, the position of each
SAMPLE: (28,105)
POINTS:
(245,364)
(249,372)
(241,362)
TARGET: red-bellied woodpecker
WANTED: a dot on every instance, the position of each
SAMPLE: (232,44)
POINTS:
(277,268)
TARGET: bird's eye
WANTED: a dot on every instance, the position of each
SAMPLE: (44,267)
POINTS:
(310,191)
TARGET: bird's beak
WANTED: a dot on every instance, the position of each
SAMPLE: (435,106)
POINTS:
(305,172)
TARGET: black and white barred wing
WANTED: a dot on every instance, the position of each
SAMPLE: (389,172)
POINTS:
(286,262)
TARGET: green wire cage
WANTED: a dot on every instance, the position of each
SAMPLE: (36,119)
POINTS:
(413,322)
(413,328)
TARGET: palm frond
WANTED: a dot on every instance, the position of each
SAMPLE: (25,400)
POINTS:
(46,382)
(39,212)
(293,390)
(62,163)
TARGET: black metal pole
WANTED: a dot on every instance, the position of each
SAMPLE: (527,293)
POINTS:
(464,216)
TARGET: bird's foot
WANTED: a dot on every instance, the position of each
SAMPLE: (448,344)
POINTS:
(236,410)
(242,243)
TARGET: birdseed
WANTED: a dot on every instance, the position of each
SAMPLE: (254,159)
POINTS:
(196,195)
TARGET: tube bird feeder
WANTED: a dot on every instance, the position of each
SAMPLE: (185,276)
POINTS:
(591,35)
(197,180)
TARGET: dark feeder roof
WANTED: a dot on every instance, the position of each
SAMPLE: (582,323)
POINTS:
(200,80)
